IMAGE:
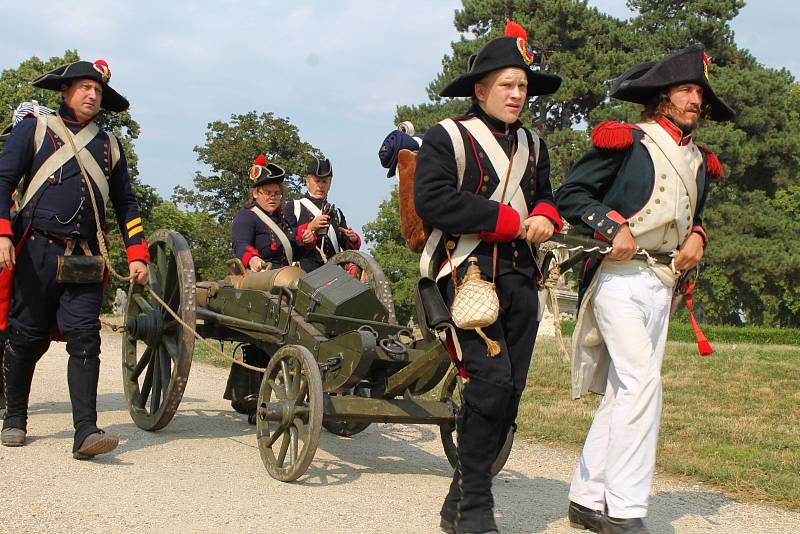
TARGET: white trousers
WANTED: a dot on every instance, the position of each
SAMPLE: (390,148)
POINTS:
(618,460)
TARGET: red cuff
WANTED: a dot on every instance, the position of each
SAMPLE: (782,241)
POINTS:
(697,229)
(138,252)
(5,228)
(546,209)
(507,226)
(299,237)
(356,245)
(615,216)
(249,254)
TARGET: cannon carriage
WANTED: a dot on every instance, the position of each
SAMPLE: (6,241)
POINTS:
(336,355)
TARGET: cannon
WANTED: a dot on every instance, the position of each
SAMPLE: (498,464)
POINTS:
(336,356)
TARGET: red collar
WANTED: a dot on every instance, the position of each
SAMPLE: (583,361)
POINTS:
(673,131)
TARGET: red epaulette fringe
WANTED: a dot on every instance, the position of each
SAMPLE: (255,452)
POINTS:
(714,168)
(613,135)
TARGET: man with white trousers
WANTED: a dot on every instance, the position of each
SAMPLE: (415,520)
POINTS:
(641,187)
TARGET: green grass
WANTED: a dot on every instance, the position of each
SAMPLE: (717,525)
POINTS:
(205,355)
(681,330)
(730,419)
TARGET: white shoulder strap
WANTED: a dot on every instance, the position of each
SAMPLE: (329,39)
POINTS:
(115,153)
(316,212)
(461,164)
(89,163)
(287,246)
(60,157)
(297,210)
(41,129)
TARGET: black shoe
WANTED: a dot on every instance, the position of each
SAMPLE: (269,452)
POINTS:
(612,525)
(584,518)
(447,526)
(484,524)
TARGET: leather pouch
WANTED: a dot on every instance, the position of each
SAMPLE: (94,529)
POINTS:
(71,269)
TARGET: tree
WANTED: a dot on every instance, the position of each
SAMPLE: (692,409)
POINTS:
(400,265)
(751,214)
(230,150)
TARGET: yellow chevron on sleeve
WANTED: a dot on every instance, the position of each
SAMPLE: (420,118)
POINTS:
(134,222)
(133,231)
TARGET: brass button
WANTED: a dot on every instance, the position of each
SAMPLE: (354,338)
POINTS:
(663,176)
(77,225)
(591,217)
(672,225)
(50,241)
(484,188)
(658,201)
(516,253)
(450,245)
(632,224)
(514,244)
(648,210)
(688,207)
(33,238)
(600,223)
(105,145)
(481,154)
(664,242)
(531,158)
(662,189)
(640,219)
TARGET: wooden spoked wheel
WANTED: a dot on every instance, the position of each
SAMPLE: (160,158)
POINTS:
(451,392)
(364,267)
(289,413)
(157,350)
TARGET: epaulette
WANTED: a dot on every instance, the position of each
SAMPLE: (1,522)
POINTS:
(613,135)
(714,168)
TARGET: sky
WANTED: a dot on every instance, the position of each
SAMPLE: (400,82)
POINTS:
(337,69)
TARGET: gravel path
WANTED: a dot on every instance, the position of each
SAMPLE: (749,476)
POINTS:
(203,473)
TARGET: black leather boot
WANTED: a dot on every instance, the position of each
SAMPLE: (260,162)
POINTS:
(613,525)
(83,373)
(19,361)
(243,384)
(583,518)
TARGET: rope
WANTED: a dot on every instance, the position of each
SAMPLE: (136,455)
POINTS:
(101,239)
(550,283)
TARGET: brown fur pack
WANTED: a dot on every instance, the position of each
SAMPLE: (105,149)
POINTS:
(412,228)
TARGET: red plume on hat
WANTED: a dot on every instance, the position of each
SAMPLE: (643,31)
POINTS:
(515,30)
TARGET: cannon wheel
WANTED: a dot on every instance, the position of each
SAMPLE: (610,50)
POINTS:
(293,382)
(368,270)
(451,392)
(156,350)
(347,429)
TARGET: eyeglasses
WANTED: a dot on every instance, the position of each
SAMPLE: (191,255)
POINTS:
(272,194)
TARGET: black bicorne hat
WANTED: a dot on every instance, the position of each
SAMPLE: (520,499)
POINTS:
(319,167)
(642,82)
(97,71)
(511,50)
(263,172)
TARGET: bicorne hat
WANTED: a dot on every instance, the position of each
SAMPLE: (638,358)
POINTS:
(97,71)
(319,167)
(511,50)
(263,172)
(642,82)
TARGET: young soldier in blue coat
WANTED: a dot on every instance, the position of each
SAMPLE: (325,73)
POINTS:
(464,190)
(56,212)
(263,239)
(260,233)
(324,233)
(641,186)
